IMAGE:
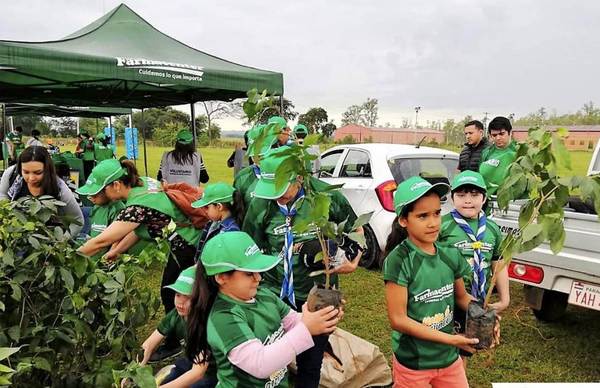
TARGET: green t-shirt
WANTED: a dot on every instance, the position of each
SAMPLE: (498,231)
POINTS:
(495,163)
(101,217)
(173,325)
(429,280)
(102,152)
(88,149)
(245,182)
(265,223)
(232,322)
(17,140)
(451,235)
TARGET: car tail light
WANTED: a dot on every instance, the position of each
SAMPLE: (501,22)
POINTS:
(385,194)
(529,273)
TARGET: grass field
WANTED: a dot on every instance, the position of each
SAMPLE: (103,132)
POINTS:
(565,351)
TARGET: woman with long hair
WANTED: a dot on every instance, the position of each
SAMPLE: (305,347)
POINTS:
(34,175)
(183,164)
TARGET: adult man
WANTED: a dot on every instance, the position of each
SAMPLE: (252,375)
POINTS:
(496,159)
(470,156)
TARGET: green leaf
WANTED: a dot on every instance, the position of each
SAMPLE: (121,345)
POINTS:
(560,152)
(8,257)
(557,240)
(5,369)
(531,231)
(562,132)
(34,242)
(14,332)
(363,219)
(2,306)
(359,238)
(7,352)
(79,266)
(66,276)
(4,381)
(42,363)
(16,291)
(525,213)
(112,285)
(318,257)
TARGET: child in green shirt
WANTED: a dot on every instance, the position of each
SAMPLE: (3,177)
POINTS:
(423,281)
(249,331)
(185,373)
(477,239)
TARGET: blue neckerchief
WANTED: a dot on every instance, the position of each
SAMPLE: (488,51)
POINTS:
(256,170)
(229,225)
(287,287)
(478,284)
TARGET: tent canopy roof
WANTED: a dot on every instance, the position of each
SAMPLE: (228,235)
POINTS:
(121,60)
(63,111)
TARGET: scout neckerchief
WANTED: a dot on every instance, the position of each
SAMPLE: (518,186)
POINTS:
(478,284)
(256,170)
(287,287)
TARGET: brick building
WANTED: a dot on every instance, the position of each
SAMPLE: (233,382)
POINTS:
(581,137)
(387,135)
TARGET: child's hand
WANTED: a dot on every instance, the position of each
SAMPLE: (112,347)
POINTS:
(464,343)
(322,321)
(498,306)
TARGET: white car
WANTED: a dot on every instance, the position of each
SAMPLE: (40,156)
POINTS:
(370,174)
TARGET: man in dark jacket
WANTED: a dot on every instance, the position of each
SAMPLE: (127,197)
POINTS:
(470,156)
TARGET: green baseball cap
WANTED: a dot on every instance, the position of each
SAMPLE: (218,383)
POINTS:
(468,177)
(414,188)
(185,136)
(265,187)
(215,193)
(100,136)
(235,251)
(301,128)
(185,281)
(106,172)
(279,121)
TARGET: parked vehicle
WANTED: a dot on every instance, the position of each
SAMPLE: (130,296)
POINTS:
(370,174)
(572,276)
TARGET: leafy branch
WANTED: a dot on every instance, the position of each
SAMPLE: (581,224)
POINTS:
(535,180)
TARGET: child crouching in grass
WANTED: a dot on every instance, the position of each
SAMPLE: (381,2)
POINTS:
(187,372)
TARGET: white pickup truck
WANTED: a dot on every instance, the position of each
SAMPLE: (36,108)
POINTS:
(572,276)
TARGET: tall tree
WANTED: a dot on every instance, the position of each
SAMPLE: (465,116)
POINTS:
(328,129)
(314,119)
(215,110)
(365,114)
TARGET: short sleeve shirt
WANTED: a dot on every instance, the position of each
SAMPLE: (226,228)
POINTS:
(265,223)
(451,235)
(495,163)
(232,322)
(429,280)
(173,325)
(245,181)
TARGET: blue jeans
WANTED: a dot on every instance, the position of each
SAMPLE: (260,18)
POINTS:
(182,365)
(87,223)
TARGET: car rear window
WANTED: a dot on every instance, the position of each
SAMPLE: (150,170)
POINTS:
(432,169)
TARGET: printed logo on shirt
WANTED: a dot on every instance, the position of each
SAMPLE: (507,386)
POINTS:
(277,376)
(467,246)
(98,227)
(431,296)
(281,229)
(492,162)
(439,320)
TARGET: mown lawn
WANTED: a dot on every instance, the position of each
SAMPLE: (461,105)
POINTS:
(565,351)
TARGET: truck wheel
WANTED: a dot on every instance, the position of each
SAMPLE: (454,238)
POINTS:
(370,257)
(554,304)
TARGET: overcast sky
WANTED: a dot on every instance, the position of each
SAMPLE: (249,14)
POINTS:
(451,57)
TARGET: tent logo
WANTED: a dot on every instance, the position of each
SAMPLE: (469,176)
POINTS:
(175,71)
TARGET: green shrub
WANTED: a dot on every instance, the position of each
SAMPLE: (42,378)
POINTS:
(73,319)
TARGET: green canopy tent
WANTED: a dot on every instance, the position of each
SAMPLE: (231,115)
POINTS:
(120,60)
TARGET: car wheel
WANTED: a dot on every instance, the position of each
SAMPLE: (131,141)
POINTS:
(554,305)
(370,257)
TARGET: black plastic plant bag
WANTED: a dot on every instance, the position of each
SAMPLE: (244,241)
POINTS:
(480,324)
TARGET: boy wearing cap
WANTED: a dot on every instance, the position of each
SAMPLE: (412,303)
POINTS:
(183,164)
(478,240)
(85,148)
(185,372)
(269,221)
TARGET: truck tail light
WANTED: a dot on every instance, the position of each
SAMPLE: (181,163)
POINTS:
(529,273)
(385,194)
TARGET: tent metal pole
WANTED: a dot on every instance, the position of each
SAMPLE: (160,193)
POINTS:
(4,157)
(77,121)
(193,114)
(144,139)
(281,105)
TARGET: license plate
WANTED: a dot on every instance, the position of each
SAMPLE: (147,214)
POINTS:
(585,295)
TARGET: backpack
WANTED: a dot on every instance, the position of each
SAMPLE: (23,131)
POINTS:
(183,195)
